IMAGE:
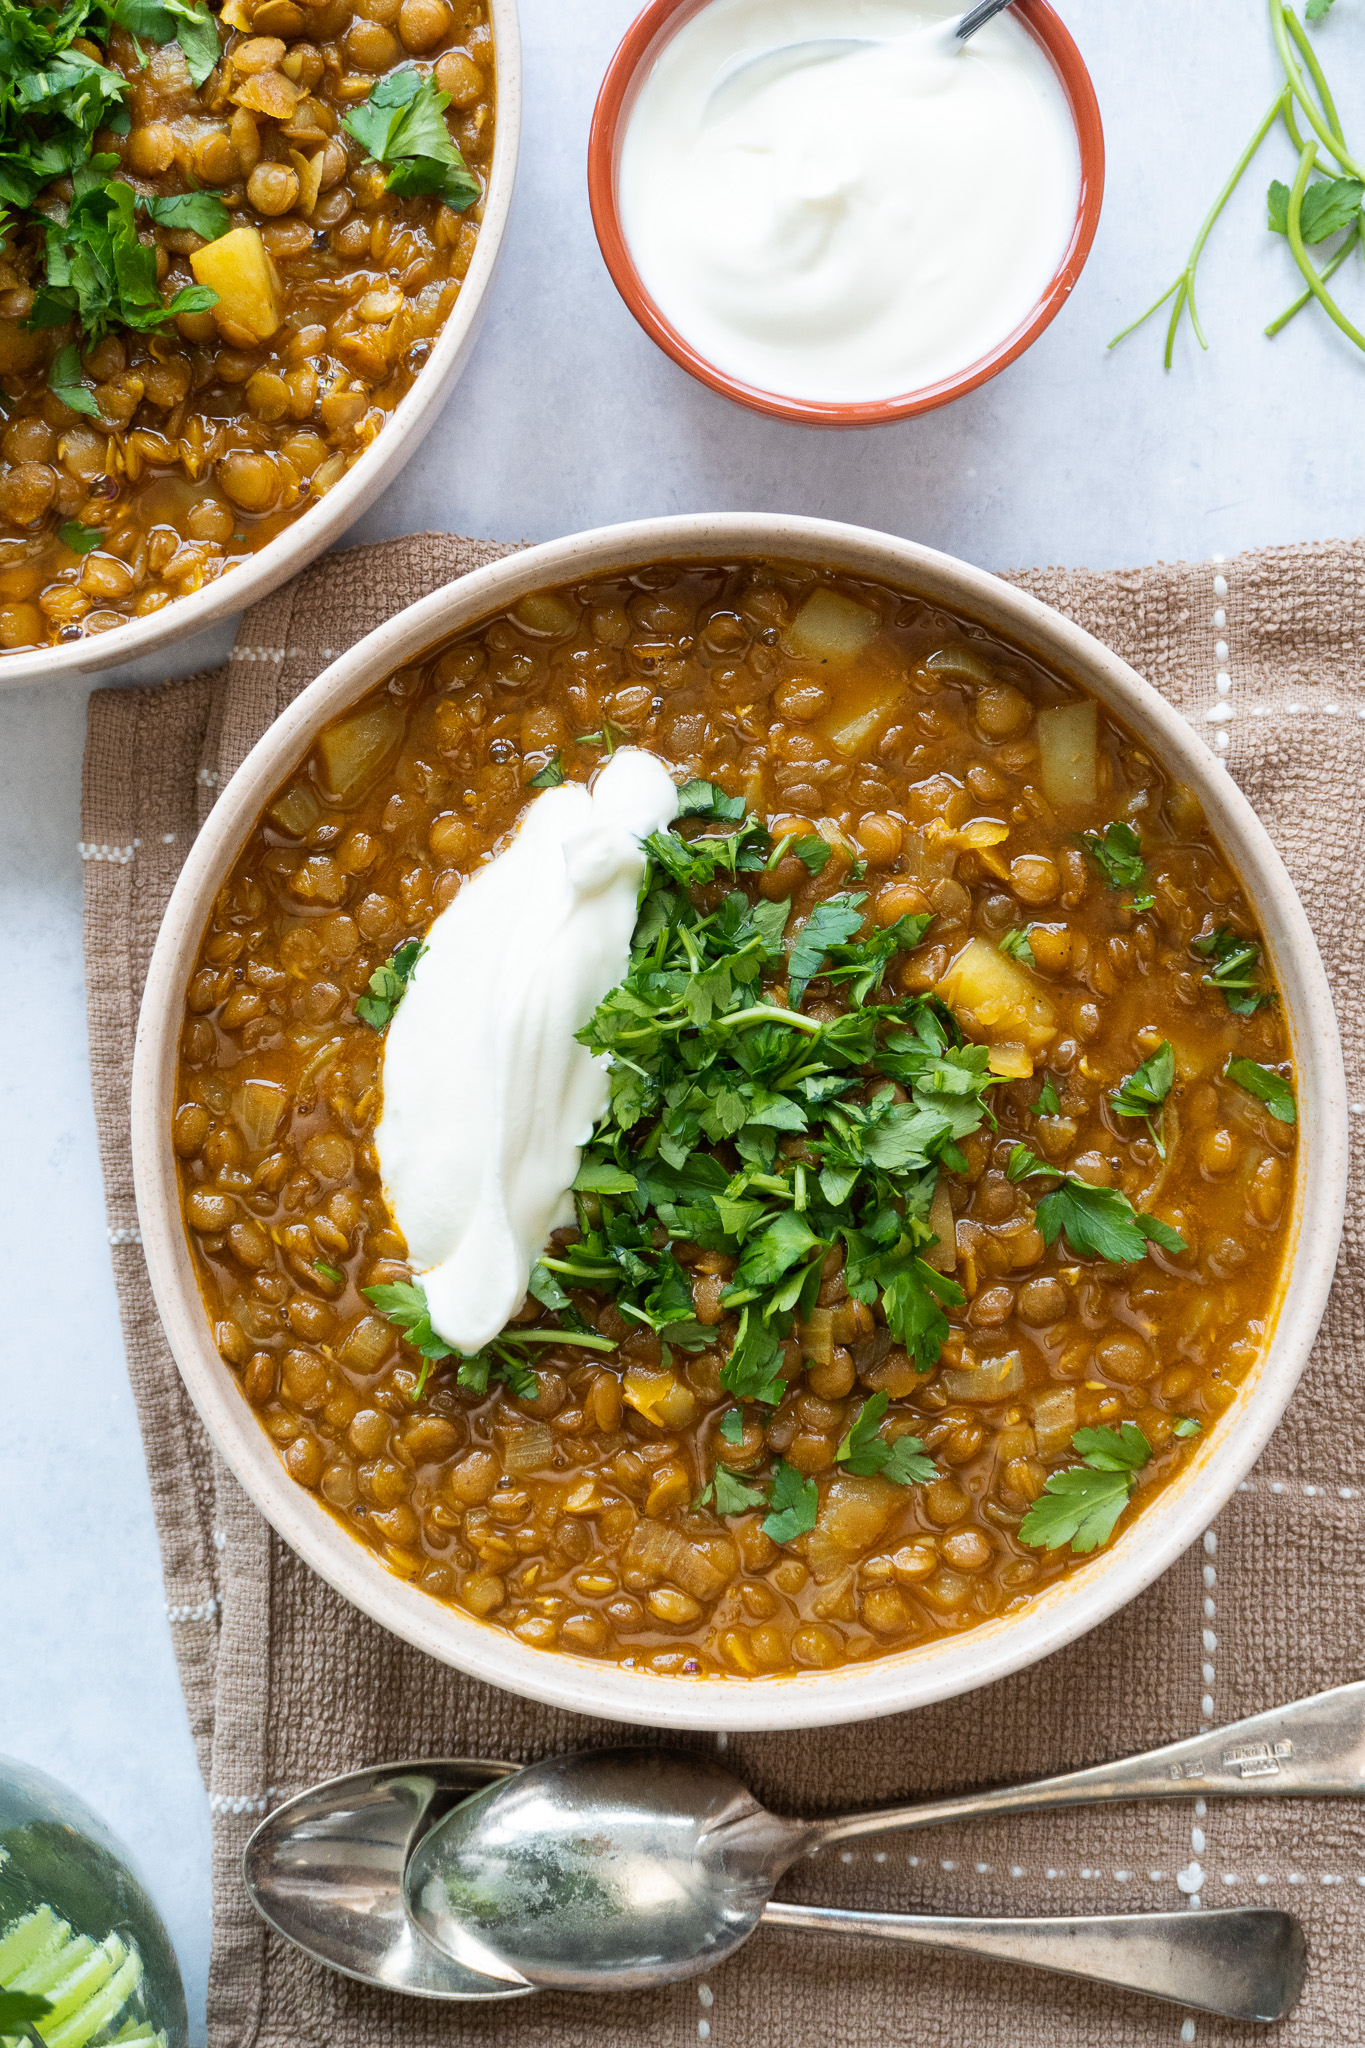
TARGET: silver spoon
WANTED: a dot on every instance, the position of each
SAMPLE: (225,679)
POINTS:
(637,1866)
(326,1869)
(746,74)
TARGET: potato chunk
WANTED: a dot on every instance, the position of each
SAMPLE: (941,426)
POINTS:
(238,267)
(1068,736)
(830,628)
(864,704)
(357,748)
(997,1002)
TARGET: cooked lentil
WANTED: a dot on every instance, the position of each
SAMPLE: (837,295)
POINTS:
(926,757)
(212,435)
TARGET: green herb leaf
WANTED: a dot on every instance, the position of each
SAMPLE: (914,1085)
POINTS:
(1118,855)
(732,1425)
(1185,1425)
(402,123)
(1023,1164)
(329,1273)
(82,540)
(829,924)
(794,1504)
(705,800)
(1101,1223)
(1016,944)
(729,1494)
(1317,10)
(1235,960)
(98,271)
(404,1303)
(1144,1092)
(22,2009)
(1269,1087)
(596,1177)
(1047,1102)
(388,984)
(812,851)
(195,213)
(551,776)
(64,379)
(1326,208)
(1081,1505)
(865,1451)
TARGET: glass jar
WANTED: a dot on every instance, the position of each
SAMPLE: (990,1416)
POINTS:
(77,1928)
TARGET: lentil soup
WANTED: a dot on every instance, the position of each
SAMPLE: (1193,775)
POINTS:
(927,1359)
(300,250)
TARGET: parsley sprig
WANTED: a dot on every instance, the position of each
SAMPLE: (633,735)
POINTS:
(1143,1093)
(1097,1222)
(388,985)
(1082,1504)
(402,124)
(404,1303)
(1233,971)
(1266,1085)
(1117,853)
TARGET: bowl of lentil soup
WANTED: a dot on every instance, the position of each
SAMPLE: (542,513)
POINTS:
(967,1351)
(248,248)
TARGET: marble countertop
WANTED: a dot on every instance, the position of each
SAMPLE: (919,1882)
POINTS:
(566,418)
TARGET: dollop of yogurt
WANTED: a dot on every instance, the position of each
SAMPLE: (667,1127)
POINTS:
(488,1097)
(847,226)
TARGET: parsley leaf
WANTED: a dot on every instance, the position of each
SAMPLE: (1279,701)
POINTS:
(1047,1102)
(729,1494)
(81,540)
(1016,944)
(794,1504)
(1327,207)
(752,1369)
(64,381)
(20,2009)
(388,985)
(97,269)
(404,1303)
(1269,1087)
(402,123)
(1317,10)
(732,1425)
(1081,1505)
(829,924)
(699,799)
(1185,1425)
(329,1272)
(1235,960)
(187,22)
(1146,1090)
(1101,1223)
(1023,1164)
(551,776)
(1118,855)
(812,851)
(197,213)
(865,1451)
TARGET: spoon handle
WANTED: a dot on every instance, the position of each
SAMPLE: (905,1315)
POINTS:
(977,17)
(1247,1963)
(1311,1747)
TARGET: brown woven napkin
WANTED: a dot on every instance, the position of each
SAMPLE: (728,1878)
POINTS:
(286,1684)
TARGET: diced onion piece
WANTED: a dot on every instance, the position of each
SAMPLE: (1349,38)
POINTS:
(1068,738)
(297,811)
(239,268)
(1011,1062)
(864,706)
(989,1381)
(259,1108)
(961,661)
(1054,1420)
(853,1514)
(356,748)
(830,628)
(995,999)
(310,170)
(525,1445)
(663,1552)
(660,1397)
(943,1255)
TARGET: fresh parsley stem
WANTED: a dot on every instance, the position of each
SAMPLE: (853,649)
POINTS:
(781,847)
(586,1340)
(1301,257)
(767,1013)
(581,1272)
(1280,17)
(1324,91)
(1328,270)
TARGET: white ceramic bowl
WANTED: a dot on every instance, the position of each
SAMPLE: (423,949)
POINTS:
(324,523)
(891,1683)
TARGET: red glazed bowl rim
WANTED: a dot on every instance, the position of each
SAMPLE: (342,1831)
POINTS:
(640,46)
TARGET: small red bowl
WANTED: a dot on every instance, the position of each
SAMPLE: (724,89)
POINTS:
(626,73)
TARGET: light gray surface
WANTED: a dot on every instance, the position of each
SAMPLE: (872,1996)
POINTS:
(568,418)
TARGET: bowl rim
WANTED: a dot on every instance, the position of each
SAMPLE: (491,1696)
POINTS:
(915,1677)
(324,523)
(659,22)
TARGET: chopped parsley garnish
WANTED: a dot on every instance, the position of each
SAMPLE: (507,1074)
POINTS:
(388,984)
(329,1273)
(729,1495)
(1327,207)
(864,1450)
(1016,944)
(793,1504)
(64,382)
(700,799)
(82,540)
(1101,1223)
(402,124)
(1269,1087)
(1185,1425)
(1144,1092)
(550,776)
(1117,855)
(1023,1164)
(98,272)
(196,213)
(1081,1505)
(1235,960)
(20,2010)
(404,1303)
(1048,1102)
(812,851)
(732,1425)
(187,22)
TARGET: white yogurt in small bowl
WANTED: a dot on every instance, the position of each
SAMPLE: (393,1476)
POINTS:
(844,234)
